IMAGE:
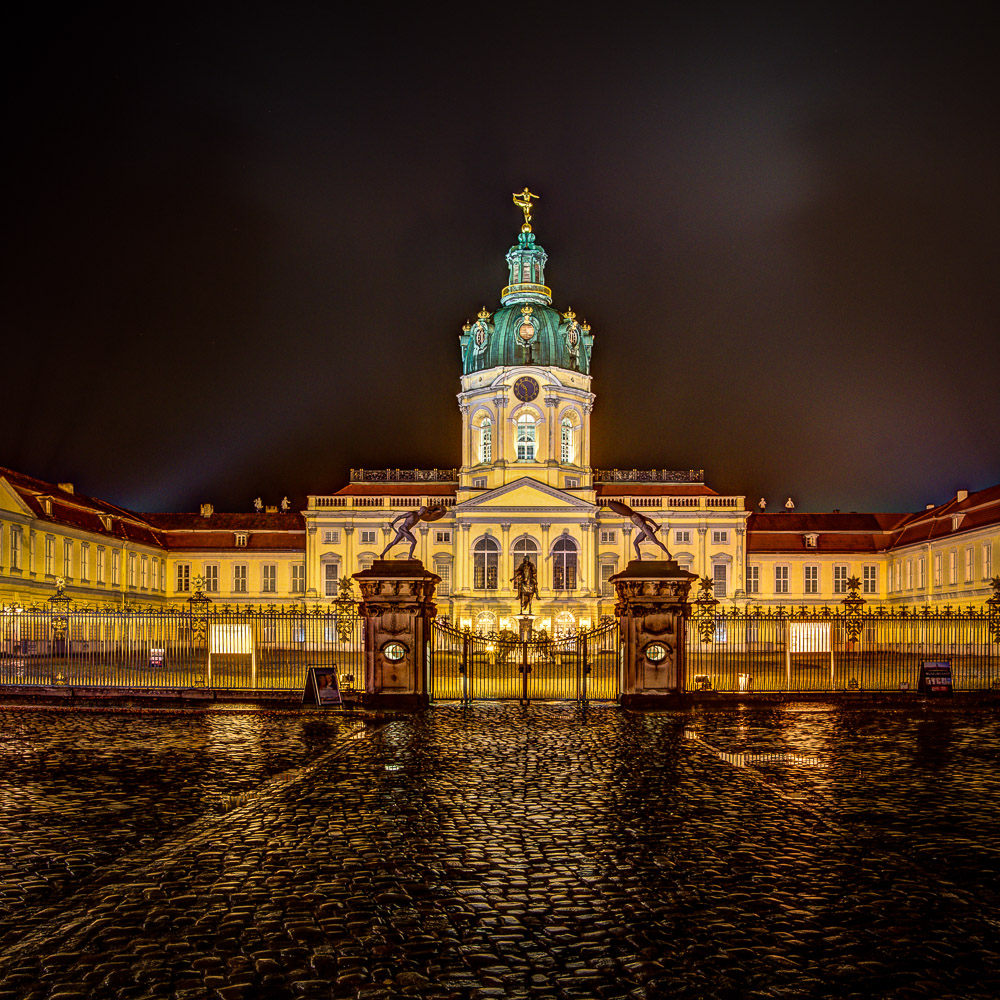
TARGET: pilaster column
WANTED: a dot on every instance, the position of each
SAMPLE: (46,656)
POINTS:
(703,551)
(348,550)
(627,552)
(312,563)
(545,563)
(463,557)
(500,445)
(739,589)
(424,529)
(467,456)
(585,560)
(504,556)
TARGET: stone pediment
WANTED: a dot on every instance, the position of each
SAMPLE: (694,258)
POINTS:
(10,499)
(525,494)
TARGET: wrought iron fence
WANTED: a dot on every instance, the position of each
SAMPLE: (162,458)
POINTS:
(849,647)
(467,666)
(213,646)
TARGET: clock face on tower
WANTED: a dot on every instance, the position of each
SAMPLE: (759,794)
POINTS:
(526,388)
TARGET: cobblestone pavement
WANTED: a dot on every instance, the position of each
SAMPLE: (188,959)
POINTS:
(500,851)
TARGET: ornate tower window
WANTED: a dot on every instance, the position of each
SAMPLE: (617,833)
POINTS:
(486,441)
(564,564)
(485,564)
(525,438)
(566,441)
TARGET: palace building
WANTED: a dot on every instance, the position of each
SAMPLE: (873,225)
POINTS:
(524,487)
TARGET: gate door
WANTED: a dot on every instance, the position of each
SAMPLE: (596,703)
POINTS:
(467,666)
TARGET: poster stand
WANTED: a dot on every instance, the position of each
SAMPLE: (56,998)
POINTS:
(322,687)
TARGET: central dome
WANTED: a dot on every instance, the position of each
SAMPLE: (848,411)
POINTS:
(527,329)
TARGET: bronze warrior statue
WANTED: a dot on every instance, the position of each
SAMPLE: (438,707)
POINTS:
(647,527)
(410,520)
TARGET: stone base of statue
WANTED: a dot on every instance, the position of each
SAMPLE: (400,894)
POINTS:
(652,610)
(397,603)
(525,623)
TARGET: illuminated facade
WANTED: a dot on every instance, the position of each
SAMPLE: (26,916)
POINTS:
(525,487)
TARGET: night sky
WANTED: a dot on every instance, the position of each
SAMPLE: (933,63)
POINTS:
(240,240)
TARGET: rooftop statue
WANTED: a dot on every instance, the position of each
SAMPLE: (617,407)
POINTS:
(410,519)
(523,202)
(647,527)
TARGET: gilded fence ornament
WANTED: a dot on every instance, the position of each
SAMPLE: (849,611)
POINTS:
(705,613)
(993,610)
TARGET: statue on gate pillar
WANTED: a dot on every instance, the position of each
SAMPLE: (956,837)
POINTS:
(410,518)
(647,526)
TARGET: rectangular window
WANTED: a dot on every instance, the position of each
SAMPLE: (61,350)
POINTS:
(442,537)
(331,537)
(331,579)
(909,574)
(67,558)
(183,578)
(241,539)
(682,537)
(155,566)
(720,537)
(84,562)
(116,568)
(753,579)
(719,581)
(100,564)
(131,570)
(443,570)
(953,566)
(50,556)
(987,560)
(298,578)
(871,579)
(781,579)
(937,569)
(609,537)
(607,587)
(16,542)
(269,579)
(571,482)
(240,578)
(211,579)
(840,579)
(810,579)
(920,573)
(144,572)
(365,562)
(969,558)
(367,537)
(479,483)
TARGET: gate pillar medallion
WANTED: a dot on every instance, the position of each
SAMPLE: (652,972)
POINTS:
(397,603)
(652,608)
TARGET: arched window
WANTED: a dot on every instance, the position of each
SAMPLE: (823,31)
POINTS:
(526,438)
(525,547)
(566,441)
(565,624)
(564,564)
(486,441)
(486,621)
(485,564)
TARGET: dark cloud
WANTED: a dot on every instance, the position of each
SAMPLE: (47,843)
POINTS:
(240,240)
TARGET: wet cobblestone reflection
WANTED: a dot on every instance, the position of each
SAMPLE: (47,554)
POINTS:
(500,851)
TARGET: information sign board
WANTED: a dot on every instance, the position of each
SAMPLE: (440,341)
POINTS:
(935,678)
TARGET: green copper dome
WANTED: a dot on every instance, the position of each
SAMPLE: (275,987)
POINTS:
(526,330)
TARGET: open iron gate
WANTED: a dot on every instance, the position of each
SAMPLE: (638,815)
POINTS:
(467,666)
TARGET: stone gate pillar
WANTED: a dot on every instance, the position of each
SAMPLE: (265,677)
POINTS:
(652,608)
(397,603)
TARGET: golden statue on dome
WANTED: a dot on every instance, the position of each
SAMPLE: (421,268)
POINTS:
(523,202)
